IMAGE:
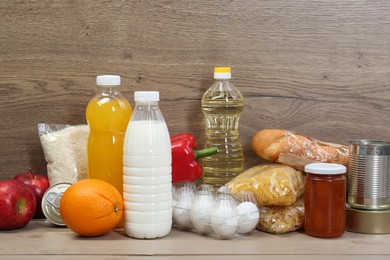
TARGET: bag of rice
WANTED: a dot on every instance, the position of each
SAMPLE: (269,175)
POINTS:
(65,150)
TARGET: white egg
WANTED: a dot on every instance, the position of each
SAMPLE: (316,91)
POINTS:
(181,210)
(248,214)
(181,214)
(224,221)
(201,213)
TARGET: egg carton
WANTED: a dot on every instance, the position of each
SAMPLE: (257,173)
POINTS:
(220,216)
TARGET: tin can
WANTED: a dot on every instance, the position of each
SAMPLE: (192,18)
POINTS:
(368,221)
(369,175)
(51,202)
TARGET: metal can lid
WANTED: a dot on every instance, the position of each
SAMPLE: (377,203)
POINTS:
(369,147)
(51,202)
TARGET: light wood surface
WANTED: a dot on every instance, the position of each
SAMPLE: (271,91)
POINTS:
(40,240)
(317,67)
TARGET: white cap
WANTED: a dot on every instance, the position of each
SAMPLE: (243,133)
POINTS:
(325,168)
(108,80)
(222,73)
(146,96)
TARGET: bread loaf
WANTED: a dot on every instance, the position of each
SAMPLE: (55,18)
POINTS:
(296,150)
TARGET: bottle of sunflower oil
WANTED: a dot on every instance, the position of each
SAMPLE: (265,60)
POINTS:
(108,114)
(222,105)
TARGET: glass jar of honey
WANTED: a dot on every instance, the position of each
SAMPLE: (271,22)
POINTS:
(325,198)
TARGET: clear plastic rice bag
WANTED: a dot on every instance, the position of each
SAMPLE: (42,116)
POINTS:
(65,150)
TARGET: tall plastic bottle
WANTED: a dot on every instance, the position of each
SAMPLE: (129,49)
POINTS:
(222,105)
(108,114)
(147,170)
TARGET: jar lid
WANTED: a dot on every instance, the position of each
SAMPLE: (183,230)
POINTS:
(146,96)
(108,80)
(325,168)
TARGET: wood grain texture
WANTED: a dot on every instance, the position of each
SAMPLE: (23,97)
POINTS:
(318,67)
(39,238)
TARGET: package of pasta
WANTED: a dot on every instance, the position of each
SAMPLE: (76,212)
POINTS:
(272,184)
(279,220)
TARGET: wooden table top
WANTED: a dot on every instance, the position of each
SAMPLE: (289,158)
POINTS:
(41,240)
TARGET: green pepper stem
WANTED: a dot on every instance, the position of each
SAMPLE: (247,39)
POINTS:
(205,152)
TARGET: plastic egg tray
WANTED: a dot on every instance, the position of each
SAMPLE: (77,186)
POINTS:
(217,215)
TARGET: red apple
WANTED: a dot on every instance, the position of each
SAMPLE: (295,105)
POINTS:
(38,184)
(17,204)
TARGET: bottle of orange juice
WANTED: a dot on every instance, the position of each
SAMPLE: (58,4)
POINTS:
(108,114)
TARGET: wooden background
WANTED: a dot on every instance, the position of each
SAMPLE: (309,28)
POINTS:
(318,67)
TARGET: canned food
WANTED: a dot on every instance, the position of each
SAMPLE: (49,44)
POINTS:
(369,175)
(51,202)
(368,221)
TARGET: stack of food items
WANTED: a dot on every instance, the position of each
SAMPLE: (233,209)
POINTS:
(199,209)
(276,188)
(279,184)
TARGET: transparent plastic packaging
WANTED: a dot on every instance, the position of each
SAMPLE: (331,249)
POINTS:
(224,217)
(200,211)
(184,196)
(297,150)
(282,219)
(147,171)
(217,215)
(107,114)
(222,105)
(272,184)
(65,150)
(248,213)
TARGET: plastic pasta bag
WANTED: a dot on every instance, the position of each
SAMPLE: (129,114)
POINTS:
(279,220)
(65,150)
(272,184)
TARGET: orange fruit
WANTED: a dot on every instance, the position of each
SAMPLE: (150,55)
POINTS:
(91,207)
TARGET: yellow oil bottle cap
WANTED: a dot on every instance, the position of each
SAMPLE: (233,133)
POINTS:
(222,73)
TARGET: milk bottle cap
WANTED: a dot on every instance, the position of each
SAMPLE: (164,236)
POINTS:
(146,96)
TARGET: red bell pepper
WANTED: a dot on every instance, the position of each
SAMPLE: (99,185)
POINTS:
(185,168)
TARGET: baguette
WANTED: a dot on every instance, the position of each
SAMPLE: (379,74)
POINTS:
(295,149)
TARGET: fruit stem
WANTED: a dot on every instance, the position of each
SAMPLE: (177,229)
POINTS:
(116,209)
(205,152)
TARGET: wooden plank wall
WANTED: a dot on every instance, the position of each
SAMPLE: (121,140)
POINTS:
(317,67)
